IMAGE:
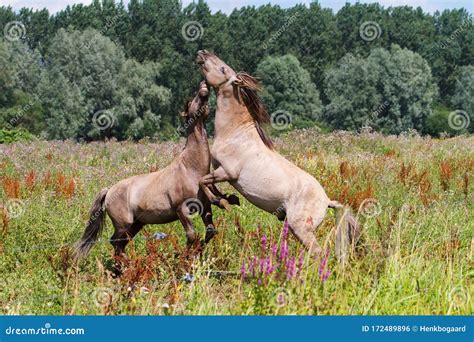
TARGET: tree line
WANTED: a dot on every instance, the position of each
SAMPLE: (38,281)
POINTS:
(107,70)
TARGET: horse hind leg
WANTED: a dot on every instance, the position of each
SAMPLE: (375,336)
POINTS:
(183,215)
(303,224)
(123,234)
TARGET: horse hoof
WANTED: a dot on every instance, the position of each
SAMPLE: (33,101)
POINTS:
(232,199)
(210,232)
(223,203)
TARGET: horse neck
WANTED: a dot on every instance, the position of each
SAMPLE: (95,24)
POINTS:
(232,116)
(196,151)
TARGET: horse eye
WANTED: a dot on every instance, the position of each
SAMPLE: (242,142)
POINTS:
(223,70)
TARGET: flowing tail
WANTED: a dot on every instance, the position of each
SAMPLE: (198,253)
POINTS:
(94,226)
(348,230)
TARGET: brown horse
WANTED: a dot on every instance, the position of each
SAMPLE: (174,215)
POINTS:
(243,155)
(163,196)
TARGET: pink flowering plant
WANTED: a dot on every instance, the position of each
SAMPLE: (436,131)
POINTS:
(277,262)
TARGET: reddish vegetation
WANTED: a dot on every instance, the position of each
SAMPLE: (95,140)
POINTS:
(465,185)
(11,186)
(30,179)
(446,173)
(404,173)
(47,180)
(140,269)
(5,220)
(15,188)
(64,187)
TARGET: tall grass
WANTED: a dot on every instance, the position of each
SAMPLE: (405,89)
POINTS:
(413,196)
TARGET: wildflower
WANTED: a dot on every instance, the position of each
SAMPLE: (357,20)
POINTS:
(264,242)
(274,250)
(159,236)
(281,299)
(290,268)
(270,268)
(283,250)
(188,278)
(262,264)
(326,276)
(252,265)
(285,230)
(243,270)
(323,273)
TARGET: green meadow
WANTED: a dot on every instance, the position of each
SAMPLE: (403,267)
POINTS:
(413,197)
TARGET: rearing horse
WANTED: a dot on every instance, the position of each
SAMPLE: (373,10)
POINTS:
(243,155)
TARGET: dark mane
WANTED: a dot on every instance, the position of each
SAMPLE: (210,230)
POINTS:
(249,87)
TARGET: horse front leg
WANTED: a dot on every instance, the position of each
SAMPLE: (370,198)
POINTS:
(206,217)
(207,182)
(232,199)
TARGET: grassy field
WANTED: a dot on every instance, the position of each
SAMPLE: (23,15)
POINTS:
(415,201)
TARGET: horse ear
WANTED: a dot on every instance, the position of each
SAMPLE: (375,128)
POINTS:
(247,81)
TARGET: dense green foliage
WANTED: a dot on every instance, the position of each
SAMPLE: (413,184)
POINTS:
(463,97)
(143,70)
(288,88)
(389,90)
(15,135)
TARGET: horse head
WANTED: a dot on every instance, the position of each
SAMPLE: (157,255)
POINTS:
(197,108)
(239,85)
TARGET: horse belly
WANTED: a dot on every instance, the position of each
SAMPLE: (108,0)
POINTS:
(157,216)
(261,193)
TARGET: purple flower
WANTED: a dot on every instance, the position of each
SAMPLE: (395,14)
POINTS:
(284,232)
(283,250)
(253,263)
(270,268)
(263,262)
(274,250)
(290,268)
(243,271)
(325,276)
(323,273)
(264,242)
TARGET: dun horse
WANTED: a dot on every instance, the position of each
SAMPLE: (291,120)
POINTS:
(160,197)
(243,155)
